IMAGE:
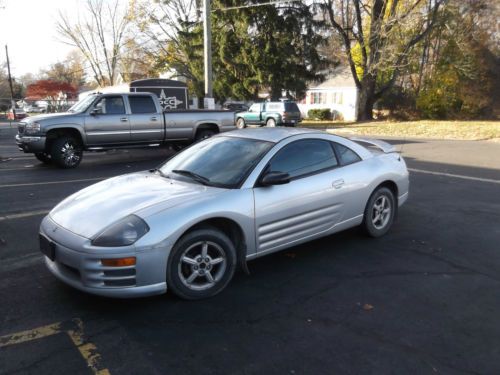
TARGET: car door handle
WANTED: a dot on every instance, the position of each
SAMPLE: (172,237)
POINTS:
(153,118)
(337,184)
(124,119)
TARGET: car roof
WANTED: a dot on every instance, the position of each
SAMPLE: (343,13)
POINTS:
(274,135)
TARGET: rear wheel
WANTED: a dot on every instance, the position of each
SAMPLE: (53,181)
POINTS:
(201,264)
(379,212)
(204,134)
(66,152)
(271,123)
(43,157)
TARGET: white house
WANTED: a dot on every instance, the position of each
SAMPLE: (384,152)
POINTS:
(337,93)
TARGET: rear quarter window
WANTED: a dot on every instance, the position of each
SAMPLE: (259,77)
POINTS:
(346,155)
(142,104)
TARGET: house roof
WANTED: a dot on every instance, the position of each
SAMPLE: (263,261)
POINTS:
(338,77)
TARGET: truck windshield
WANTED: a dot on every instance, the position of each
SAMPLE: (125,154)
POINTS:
(218,161)
(83,104)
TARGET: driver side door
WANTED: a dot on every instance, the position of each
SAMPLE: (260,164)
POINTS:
(252,117)
(108,121)
(310,204)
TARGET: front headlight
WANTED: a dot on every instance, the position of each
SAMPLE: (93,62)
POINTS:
(32,128)
(122,233)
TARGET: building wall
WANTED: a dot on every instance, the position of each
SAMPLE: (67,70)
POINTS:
(339,99)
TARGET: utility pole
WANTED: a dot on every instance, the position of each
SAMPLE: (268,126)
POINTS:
(207,36)
(12,103)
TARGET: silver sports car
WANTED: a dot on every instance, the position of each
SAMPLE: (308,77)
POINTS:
(225,200)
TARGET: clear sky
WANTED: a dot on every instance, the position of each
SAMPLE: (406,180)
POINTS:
(28,28)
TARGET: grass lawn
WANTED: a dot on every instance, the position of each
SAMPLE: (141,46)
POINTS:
(465,130)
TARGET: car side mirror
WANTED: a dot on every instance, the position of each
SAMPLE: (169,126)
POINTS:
(96,111)
(275,178)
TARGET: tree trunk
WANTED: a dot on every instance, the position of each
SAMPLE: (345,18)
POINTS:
(366,99)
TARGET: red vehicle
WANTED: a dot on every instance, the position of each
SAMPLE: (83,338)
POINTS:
(20,114)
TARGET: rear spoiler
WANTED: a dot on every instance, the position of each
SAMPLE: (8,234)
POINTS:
(384,146)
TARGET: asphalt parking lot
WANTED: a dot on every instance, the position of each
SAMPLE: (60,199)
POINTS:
(424,299)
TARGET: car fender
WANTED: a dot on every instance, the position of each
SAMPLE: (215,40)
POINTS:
(170,224)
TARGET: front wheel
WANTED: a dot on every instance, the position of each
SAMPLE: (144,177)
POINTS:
(201,264)
(66,152)
(379,212)
(240,123)
(43,157)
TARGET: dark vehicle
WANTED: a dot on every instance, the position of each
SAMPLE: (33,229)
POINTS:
(270,114)
(236,107)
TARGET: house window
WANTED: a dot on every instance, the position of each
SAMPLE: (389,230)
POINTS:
(318,98)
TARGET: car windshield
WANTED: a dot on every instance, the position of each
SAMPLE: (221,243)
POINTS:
(82,105)
(218,161)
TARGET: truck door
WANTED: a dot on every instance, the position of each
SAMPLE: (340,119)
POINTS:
(146,123)
(252,117)
(107,122)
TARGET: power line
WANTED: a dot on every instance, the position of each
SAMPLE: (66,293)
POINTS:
(255,5)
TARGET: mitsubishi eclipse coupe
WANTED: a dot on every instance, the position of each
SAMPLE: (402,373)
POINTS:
(234,197)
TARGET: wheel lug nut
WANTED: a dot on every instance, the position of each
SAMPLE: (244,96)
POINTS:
(207,260)
(195,267)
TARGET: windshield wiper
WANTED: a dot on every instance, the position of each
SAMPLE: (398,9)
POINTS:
(193,175)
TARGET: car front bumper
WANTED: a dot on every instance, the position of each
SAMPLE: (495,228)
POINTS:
(31,144)
(79,265)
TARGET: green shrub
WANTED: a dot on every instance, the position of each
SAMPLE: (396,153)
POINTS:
(319,114)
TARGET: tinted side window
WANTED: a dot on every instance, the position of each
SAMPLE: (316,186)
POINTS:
(111,105)
(304,157)
(346,155)
(142,104)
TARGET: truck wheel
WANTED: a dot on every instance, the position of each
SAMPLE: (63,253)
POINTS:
(204,134)
(271,123)
(66,152)
(43,157)
(240,123)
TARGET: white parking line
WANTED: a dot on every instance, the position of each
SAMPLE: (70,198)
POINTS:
(23,214)
(455,176)
(54,182)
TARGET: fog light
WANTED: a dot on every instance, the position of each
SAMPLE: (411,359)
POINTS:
(118,262)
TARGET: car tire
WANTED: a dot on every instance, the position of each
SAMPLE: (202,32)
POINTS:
(66,152)
(44,157)
(379,212)
(271,123)
(201,264)
(240,123)
(204,134)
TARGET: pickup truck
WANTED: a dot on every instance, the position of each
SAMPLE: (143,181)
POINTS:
(269,114)
(110,121)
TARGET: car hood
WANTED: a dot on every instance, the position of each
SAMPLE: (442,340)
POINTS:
(89,211)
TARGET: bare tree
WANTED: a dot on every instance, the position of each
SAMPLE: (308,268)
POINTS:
(378,36)
(100,36)
(162,25)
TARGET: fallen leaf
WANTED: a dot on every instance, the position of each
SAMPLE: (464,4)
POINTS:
(367,307)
